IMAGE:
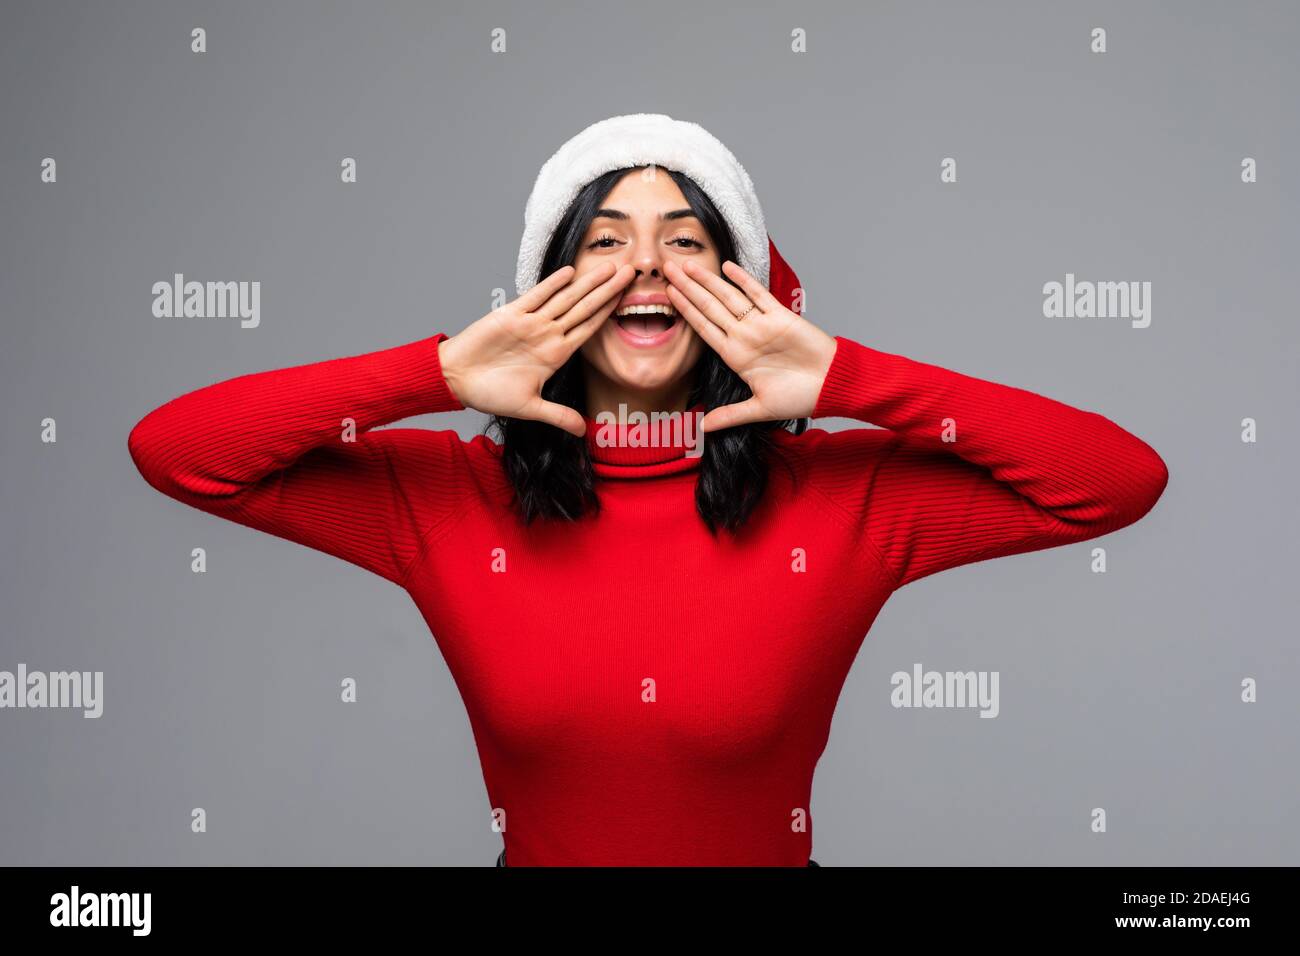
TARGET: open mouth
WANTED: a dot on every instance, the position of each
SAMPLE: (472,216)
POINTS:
(646,321)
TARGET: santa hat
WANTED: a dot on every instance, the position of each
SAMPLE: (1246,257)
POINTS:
(639,139)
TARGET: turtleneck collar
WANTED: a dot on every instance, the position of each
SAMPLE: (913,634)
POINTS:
(662,447)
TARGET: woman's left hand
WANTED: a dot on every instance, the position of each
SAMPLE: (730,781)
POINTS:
(780,355)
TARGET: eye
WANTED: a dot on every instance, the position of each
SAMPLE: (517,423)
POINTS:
(602,242)
(689,241)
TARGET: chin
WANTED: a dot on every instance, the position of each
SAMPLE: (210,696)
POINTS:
(637,367)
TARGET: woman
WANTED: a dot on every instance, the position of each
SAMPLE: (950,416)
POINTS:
(649,636)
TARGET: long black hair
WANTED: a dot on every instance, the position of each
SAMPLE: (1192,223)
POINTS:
(551,470)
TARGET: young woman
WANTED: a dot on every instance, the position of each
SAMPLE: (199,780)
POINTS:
(649,632)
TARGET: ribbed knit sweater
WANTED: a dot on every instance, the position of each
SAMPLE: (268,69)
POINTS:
(640,691)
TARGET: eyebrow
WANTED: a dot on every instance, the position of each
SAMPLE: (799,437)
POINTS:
(619,214)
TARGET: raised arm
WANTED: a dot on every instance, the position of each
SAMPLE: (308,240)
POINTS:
(291,451)
(274,451)
(1021,473)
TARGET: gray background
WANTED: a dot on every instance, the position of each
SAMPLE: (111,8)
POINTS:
(1118,690)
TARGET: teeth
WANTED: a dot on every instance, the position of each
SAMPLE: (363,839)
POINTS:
(646,309)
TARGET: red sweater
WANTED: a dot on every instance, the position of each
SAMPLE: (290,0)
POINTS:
(640,692)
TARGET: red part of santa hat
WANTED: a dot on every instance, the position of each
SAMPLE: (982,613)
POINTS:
(782,282)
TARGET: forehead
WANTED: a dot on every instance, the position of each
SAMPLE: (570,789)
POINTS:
(645,190)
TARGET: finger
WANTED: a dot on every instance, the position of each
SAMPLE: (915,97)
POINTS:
(729,416)
(607,294)
(714,337)
(757,292)
(731,298)
(704,300)
(561,416)
(563,299)
(576,335)
(539,293)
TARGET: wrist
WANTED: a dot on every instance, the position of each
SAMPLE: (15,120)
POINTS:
(448,367)
(826,353)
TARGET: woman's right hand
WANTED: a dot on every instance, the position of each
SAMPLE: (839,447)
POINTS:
(499,364)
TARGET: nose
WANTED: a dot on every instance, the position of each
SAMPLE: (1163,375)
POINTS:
(647,260)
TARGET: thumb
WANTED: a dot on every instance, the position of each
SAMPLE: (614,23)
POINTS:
(729,416)
(561,416)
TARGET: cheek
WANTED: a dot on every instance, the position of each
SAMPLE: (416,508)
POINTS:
(695,347)
(601,350)
(584,264)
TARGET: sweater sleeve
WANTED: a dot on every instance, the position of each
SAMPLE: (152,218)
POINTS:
(968,469)
(291,452)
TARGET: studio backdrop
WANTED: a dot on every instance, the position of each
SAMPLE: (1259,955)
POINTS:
(1095,202)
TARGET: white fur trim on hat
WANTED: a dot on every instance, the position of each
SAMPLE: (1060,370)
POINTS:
(638,139)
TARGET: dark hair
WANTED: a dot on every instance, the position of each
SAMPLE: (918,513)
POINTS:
(551,470)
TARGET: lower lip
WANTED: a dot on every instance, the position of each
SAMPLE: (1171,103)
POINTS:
(648,341)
